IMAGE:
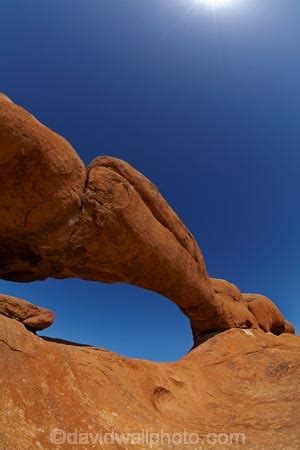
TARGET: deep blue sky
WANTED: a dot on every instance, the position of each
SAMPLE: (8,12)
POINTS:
(205,104)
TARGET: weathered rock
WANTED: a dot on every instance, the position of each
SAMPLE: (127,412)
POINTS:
(110,225)
(32,316)
(231,306)
(288,327)
(267,314)
(126,232)
(41,184)
(239,382)
(225,288)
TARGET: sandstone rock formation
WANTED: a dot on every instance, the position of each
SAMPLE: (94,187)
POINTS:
(289,328)
(264,312)
(106,223)
(238,382)
(41,183)
(32,316)
(267,314)
(224,288)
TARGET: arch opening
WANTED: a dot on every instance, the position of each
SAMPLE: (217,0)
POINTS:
(128,320)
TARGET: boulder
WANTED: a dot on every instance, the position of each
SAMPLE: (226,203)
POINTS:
(33,317)
(231,308)
(267,314)
(223,287)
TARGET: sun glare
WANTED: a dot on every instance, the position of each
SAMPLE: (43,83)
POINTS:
(215,3)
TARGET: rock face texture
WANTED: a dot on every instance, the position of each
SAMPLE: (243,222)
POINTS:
(239,382)
(228,295)
(267,314)
(41,183)
(226,289)
(32,316)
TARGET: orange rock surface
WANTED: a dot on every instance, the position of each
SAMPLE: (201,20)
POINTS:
(32,316)
(107,223)
(238,382)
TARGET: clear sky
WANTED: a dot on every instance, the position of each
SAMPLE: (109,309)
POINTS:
(206,103)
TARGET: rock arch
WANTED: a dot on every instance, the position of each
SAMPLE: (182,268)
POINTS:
(106,222)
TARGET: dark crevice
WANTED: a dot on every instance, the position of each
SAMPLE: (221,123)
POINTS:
(10,347)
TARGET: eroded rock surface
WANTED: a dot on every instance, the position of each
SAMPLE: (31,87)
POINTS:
(32,316)
(267,314)
(226,289)
(238,382)
(41,184)
(107,223)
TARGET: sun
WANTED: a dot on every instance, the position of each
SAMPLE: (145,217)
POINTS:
(215,3)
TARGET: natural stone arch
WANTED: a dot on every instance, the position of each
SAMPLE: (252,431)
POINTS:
(107,223)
